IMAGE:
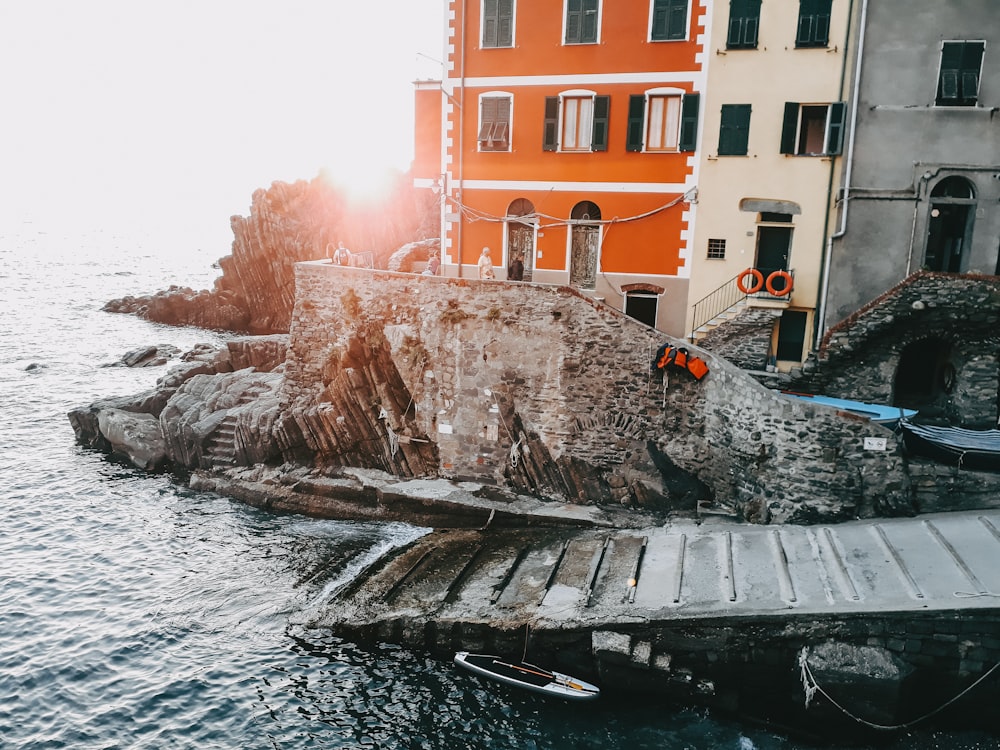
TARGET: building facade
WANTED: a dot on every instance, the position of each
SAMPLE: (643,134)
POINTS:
(921,186)
(774,113)
(568,133)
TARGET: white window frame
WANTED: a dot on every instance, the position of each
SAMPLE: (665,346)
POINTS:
(576,95)
(510,121)
(658,93)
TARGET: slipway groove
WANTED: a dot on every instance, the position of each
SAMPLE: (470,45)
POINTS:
(594,578)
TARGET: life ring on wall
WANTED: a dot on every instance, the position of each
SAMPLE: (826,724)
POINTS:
(758,281)
(785,290)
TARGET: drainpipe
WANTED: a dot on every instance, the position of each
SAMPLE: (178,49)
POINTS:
(820,325)
(461,139)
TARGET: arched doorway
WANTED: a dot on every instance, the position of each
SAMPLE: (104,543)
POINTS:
(949,226)
(521,234)
(585,243)
(924,374)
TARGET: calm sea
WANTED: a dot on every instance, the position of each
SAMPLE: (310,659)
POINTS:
(135,613)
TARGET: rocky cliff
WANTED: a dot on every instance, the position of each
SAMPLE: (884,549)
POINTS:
(288,223)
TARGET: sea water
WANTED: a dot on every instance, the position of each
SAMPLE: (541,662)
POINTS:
(137,613)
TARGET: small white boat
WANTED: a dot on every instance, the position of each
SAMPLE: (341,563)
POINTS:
(527,676)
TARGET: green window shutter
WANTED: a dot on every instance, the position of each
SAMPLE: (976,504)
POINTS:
(789,127)
(689,122)
(599,137)
(814,23)
(574,21)
(972,61)
(505,23)
(669,20)
(550,135)
(636,119)
(490,13)
(660,14)
(677,19)
(734,130)
(744,21)
(588,32)
(835,128)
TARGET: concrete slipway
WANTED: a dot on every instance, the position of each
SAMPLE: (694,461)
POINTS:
(591,578)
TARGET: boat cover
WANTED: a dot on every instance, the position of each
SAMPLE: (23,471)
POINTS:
(972,449)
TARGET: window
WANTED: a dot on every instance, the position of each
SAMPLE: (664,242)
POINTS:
(958,80)
(813,129)
(576,121)
(498,23)
(744,21)
(734,130)
(814,23)
(669,20)
(581,21)
(716,250)
(494,123)
(660,121)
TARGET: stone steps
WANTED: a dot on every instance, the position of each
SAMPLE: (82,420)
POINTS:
(221,446)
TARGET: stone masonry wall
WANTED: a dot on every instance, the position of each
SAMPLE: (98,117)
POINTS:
(548,392)
(860,356)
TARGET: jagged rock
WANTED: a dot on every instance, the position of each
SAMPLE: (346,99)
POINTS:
(149,356)
(136,437)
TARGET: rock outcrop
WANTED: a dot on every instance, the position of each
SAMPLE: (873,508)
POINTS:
(216,409)
(288,223)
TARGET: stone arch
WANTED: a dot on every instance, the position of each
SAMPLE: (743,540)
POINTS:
(925,374)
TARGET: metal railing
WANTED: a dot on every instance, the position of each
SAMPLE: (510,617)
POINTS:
(715,303)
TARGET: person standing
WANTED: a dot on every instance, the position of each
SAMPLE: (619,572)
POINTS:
(515,270)
(342,256)
(486,265)
(433,264)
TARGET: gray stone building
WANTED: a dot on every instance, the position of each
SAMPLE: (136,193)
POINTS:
(921,185)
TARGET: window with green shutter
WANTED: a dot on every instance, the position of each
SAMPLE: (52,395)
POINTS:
(670,20)
(734,130)
(498,23)
(958,78)
(662,122)
(494,123)
(576,122)
(744,22)
(813,129)
(814,23)
(581,21)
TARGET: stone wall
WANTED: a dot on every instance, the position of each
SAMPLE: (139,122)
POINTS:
(860,357)
(546,391)
(746,339)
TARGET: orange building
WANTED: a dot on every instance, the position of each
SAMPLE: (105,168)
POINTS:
(563,134)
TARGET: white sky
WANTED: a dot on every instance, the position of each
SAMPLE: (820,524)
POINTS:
(158,113)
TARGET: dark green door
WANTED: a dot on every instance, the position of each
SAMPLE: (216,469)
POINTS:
(946,237)
(773,244)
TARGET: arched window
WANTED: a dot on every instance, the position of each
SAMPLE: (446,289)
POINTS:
(586,211)
(954,187)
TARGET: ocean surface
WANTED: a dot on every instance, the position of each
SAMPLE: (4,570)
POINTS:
(136,613)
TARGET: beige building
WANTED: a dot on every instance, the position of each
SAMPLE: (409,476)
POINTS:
(774,118)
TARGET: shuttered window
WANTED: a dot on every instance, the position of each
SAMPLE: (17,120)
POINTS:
(814,23)
(662,122)
(670,20)
(744,23)
(498,23)
(734,130)
(958,79)
(576,123)
(581,21)
(494,123)
(813,129)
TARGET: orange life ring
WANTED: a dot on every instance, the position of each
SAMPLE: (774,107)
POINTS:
(785,290)
(758,281)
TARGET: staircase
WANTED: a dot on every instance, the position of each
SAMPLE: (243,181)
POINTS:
(221,446)
(724,316)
